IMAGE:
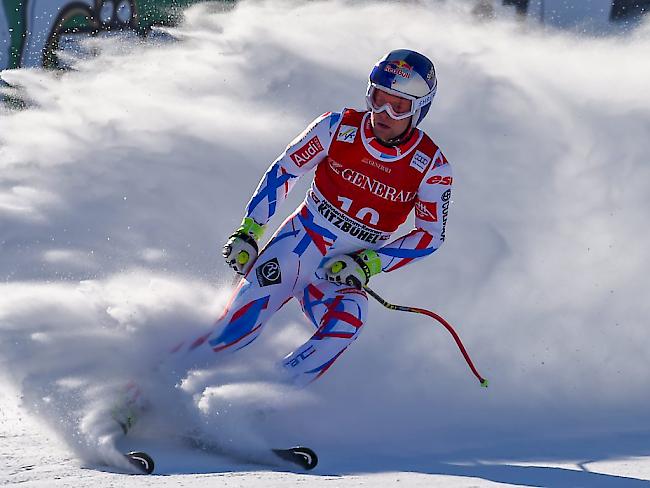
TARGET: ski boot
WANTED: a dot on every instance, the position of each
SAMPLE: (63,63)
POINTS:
(127,410)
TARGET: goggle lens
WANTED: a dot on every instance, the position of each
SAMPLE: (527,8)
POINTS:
(396,107)
(400,106)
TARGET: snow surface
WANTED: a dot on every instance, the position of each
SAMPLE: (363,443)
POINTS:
(119,185)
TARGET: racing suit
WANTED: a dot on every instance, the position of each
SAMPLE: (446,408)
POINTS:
(361,193)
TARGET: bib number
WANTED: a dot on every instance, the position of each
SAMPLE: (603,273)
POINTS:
(346,204)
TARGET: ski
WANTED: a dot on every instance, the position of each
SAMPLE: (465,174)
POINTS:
(141,461)
(302,456)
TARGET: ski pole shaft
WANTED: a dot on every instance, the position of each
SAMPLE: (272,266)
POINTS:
(435,316)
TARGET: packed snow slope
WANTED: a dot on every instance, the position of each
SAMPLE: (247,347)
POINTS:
(122,180)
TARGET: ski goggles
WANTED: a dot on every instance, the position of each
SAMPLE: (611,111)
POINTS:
(396,109)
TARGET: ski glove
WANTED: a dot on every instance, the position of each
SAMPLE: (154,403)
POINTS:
(240,252)
(353,269)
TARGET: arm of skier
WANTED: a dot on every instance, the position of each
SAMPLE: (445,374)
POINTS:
(431,209)
(300,156)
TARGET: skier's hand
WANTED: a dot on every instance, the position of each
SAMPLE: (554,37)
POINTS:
(240,251)
(353,269)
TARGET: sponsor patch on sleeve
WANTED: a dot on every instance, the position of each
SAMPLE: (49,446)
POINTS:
(307,152)
(420,161)
(440,180)
(427,211)
(347,133)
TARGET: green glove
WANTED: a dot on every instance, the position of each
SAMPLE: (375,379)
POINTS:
(353,269)
(240,251)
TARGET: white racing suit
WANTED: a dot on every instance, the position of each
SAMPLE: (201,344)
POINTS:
(361,192)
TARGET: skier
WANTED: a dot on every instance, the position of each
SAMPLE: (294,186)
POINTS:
(371,169)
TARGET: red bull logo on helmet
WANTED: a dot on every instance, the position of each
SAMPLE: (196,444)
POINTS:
(399,68)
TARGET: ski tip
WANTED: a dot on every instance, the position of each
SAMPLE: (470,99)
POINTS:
(302,456)
(484,383)
(141,461)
